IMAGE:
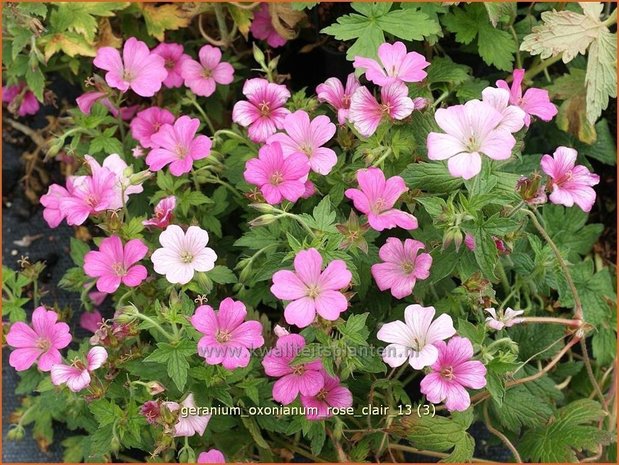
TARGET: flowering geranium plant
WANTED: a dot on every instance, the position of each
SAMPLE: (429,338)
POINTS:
(355,273)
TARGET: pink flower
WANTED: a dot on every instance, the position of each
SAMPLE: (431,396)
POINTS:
(304,378)
(89,195)
(469,241)
(123,185)
(91,321)
(212,456)
(278,177)
(41,342)
(571,183)
(227,336)
(20,99)
(151,411)
(88,99)
(202,77)
(113,264)
(52,211)
(138,69)
(264,110)
(190,424)
(183,253)
(262,27)
(403,266)
(471,130)
(178,146)
(366,112)
(513,116)
(164,211)
(452,372)
(377,197)
(307,138)
(311,290)
(332,395)
(333,92)
(506,320)
(413,340)
(534,102)
(77,375)
(148,122)
(173,56)
(395,65)
(280,331)
(97,297)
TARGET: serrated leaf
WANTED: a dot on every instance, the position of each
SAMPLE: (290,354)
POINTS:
(518,408)
(430,177)
(601,80)
(168,17)
(70,43)
(80,17)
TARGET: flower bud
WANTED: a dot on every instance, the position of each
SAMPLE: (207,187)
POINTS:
(259,55)
(263,207)
(154,388)
(263,220)
(16,433)
(139,178)
(126,314)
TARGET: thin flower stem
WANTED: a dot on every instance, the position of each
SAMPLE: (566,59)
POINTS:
(551,320)
(383,157)
(228,186)
(594,383)
(568,276)
(430,453)
(540,67)
(207,120)
(518,56)
(500,435)
(148,319)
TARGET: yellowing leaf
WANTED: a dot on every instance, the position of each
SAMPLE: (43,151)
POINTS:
(105,36)
(68,42)
(164,18)
(601,77)
(80,17)
(285,20)
(564,33)
(242,18)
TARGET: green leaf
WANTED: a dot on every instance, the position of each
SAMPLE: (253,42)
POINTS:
(520,408)
(486,253)
(355,330)
(175,357)
(601,80)
(443,69)
(36,81)
(222,275)
(569,431)
(430,177)
(81,18)
(77,251)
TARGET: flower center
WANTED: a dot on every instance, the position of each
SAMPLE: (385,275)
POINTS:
(264,107)
(408,267)
(277,178)
(77,363)
(379,205)
(567,177)
(322,394)
(307,149)
(170,64)
(472,143)
(92,200)
(181,151)
(207,73)
(313,291)
(119,269)
(128,76)
(43,343)
(156,126)
(346,101)
(386,109)
(448,373)
(298,370)
(223,336)
(186,257)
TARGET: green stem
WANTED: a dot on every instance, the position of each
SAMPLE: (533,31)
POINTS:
(227,185)
(221,24)
(383,157)
(503,277)
(518,56)
(578,314)
(205,117)
(232,134)
(535,70)
(148,319)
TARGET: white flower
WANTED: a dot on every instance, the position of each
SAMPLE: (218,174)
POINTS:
(183,253)
(506,320)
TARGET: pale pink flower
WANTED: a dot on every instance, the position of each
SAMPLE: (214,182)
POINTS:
(264,111)
(20,99)
(137,152)
(183,253)
(413,339)
(512,116)
(114,264)
(77,375)
(402,266)
(332,395)
(164,211)
(148,122)
(88,99)
(89,195)
(52,211)
(506,319)
(202,77)
(190,424)
(310,189)
(366,113)
(307,138)
(376,198)
(178,146)
(278,177)
(280,331)
(305,378)
(396,65)
(571,183)
(333,92)
(41,342)
(123,185)
(138,69)
(452,372)
(534,102)
(471,130)
(311,290)
(212,456)
(173,56)
(227,337)
(262,27)
(91,321)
